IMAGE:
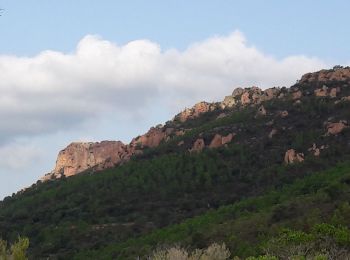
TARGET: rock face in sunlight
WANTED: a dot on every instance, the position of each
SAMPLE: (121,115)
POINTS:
(80,156)
(336,74)
(195,111)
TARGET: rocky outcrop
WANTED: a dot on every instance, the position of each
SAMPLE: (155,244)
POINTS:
(245,99)
(316,151)
(321,92)
(336,74)
(249,96)
(198,145)
(326,92)
(78,157)
(152,138)
(261,111)
(336,128)
(291,156)
(219,140)
(297,95)
(228,102)
(195,111)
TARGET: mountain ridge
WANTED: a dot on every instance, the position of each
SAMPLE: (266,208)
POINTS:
(214,159)
(79,157)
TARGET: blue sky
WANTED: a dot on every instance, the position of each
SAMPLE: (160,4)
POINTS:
(95,70)
(277,27)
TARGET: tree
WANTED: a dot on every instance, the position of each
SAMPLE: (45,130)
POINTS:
(16,251)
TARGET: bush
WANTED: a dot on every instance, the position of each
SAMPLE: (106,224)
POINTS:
(213,252)
(17,251)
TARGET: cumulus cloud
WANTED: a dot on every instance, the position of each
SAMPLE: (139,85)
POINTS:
(56,91)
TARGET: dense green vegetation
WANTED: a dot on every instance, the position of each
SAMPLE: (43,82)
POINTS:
(255,225)
(241,194)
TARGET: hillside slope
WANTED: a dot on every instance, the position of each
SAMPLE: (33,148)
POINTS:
(213,155)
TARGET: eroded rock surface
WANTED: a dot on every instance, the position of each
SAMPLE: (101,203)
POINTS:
(80,156)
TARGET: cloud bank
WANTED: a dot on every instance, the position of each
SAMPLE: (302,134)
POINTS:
(55,91)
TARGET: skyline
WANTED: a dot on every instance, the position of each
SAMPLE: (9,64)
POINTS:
(92,80)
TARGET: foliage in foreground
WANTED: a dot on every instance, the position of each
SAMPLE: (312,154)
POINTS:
(324,242)
(215,251)
(16,251)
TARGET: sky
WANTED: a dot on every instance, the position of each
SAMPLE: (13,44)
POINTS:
(109,70)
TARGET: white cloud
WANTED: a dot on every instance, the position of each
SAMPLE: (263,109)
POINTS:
(55,91)
(18,155)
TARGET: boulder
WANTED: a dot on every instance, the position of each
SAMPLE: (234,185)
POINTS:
(245,100)
(195,111)
(316,151)
(237,91)
(228,102)
(333,92)
(222,115)
(297,94)
(272,133)
(261,111)
(219,140)
(347,98)
(291,156)
(336,128)
(198,145)
(151,139)
(321,92)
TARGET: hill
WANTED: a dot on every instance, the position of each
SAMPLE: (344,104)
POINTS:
(236,171)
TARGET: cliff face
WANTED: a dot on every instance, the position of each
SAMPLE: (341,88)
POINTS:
(81,156)
(78,157)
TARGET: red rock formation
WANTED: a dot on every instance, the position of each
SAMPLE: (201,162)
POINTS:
(336,128)
(78,157)
(245,98)
(198,145)
(151,139)
(337,74)
(228,102)
(291,156)
(195,111)
(297,94)
(321,92)
(219,140)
